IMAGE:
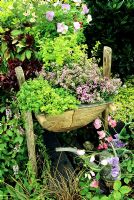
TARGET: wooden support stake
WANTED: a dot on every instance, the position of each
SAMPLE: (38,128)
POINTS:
(27,117)
(107,60)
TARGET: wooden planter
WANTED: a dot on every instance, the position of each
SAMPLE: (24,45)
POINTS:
(72,119)
(67,121)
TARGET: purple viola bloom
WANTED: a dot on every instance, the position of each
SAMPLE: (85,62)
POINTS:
(115,172)
(65,6)
(49,15)
(114,162)
(117,142)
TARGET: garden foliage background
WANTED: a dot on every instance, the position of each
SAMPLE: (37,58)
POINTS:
(112,25)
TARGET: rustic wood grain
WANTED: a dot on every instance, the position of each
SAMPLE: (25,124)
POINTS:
(27,118)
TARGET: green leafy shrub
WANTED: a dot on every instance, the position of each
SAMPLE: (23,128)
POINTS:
(112,24)
(38,96)
(124,102)
(13,153)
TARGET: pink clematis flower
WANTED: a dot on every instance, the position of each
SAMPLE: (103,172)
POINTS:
(94,184)
(102,146)
(109,139)
(105,146)
(85,9)
(97,123)
(49,15)
(62,28)
(101,134)
(77,25)
(111,122)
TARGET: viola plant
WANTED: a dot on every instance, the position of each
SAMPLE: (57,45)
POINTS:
(105,165)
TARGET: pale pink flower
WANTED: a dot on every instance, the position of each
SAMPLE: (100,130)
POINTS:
(94,184)
(65,7)
(97,123)
(49,15)
(80,152)
(109,139)
(77,25)
(62,28)
(85,9)
(101,134)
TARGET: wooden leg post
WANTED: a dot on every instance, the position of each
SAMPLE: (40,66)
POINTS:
(107,60)
(27,118)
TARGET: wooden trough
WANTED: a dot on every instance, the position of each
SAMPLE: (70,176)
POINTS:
(73,119)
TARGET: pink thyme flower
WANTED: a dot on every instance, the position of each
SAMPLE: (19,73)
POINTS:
(65,7)
(62,28)
(85,9)
(101,134)
(77,25)
(94,184)
(97,123)
(49,15)
(109,139)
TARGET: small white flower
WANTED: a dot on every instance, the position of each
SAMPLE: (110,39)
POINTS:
(89,18)
(104,162)
(15,169)
(27,13)
(57,3)
(33,14)
(78,2)
(88,176)
(92,173)
(80,152)
(32,20)
(92,158)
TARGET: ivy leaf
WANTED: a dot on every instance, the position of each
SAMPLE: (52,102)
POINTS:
(117,185)
(126,180)
(28,54)
(125,189)
(117,195)
(16,32)
(23,56)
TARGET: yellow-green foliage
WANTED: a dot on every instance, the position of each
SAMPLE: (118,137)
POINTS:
(124,102)
(5,10)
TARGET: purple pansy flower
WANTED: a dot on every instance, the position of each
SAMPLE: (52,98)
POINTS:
(49,15)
